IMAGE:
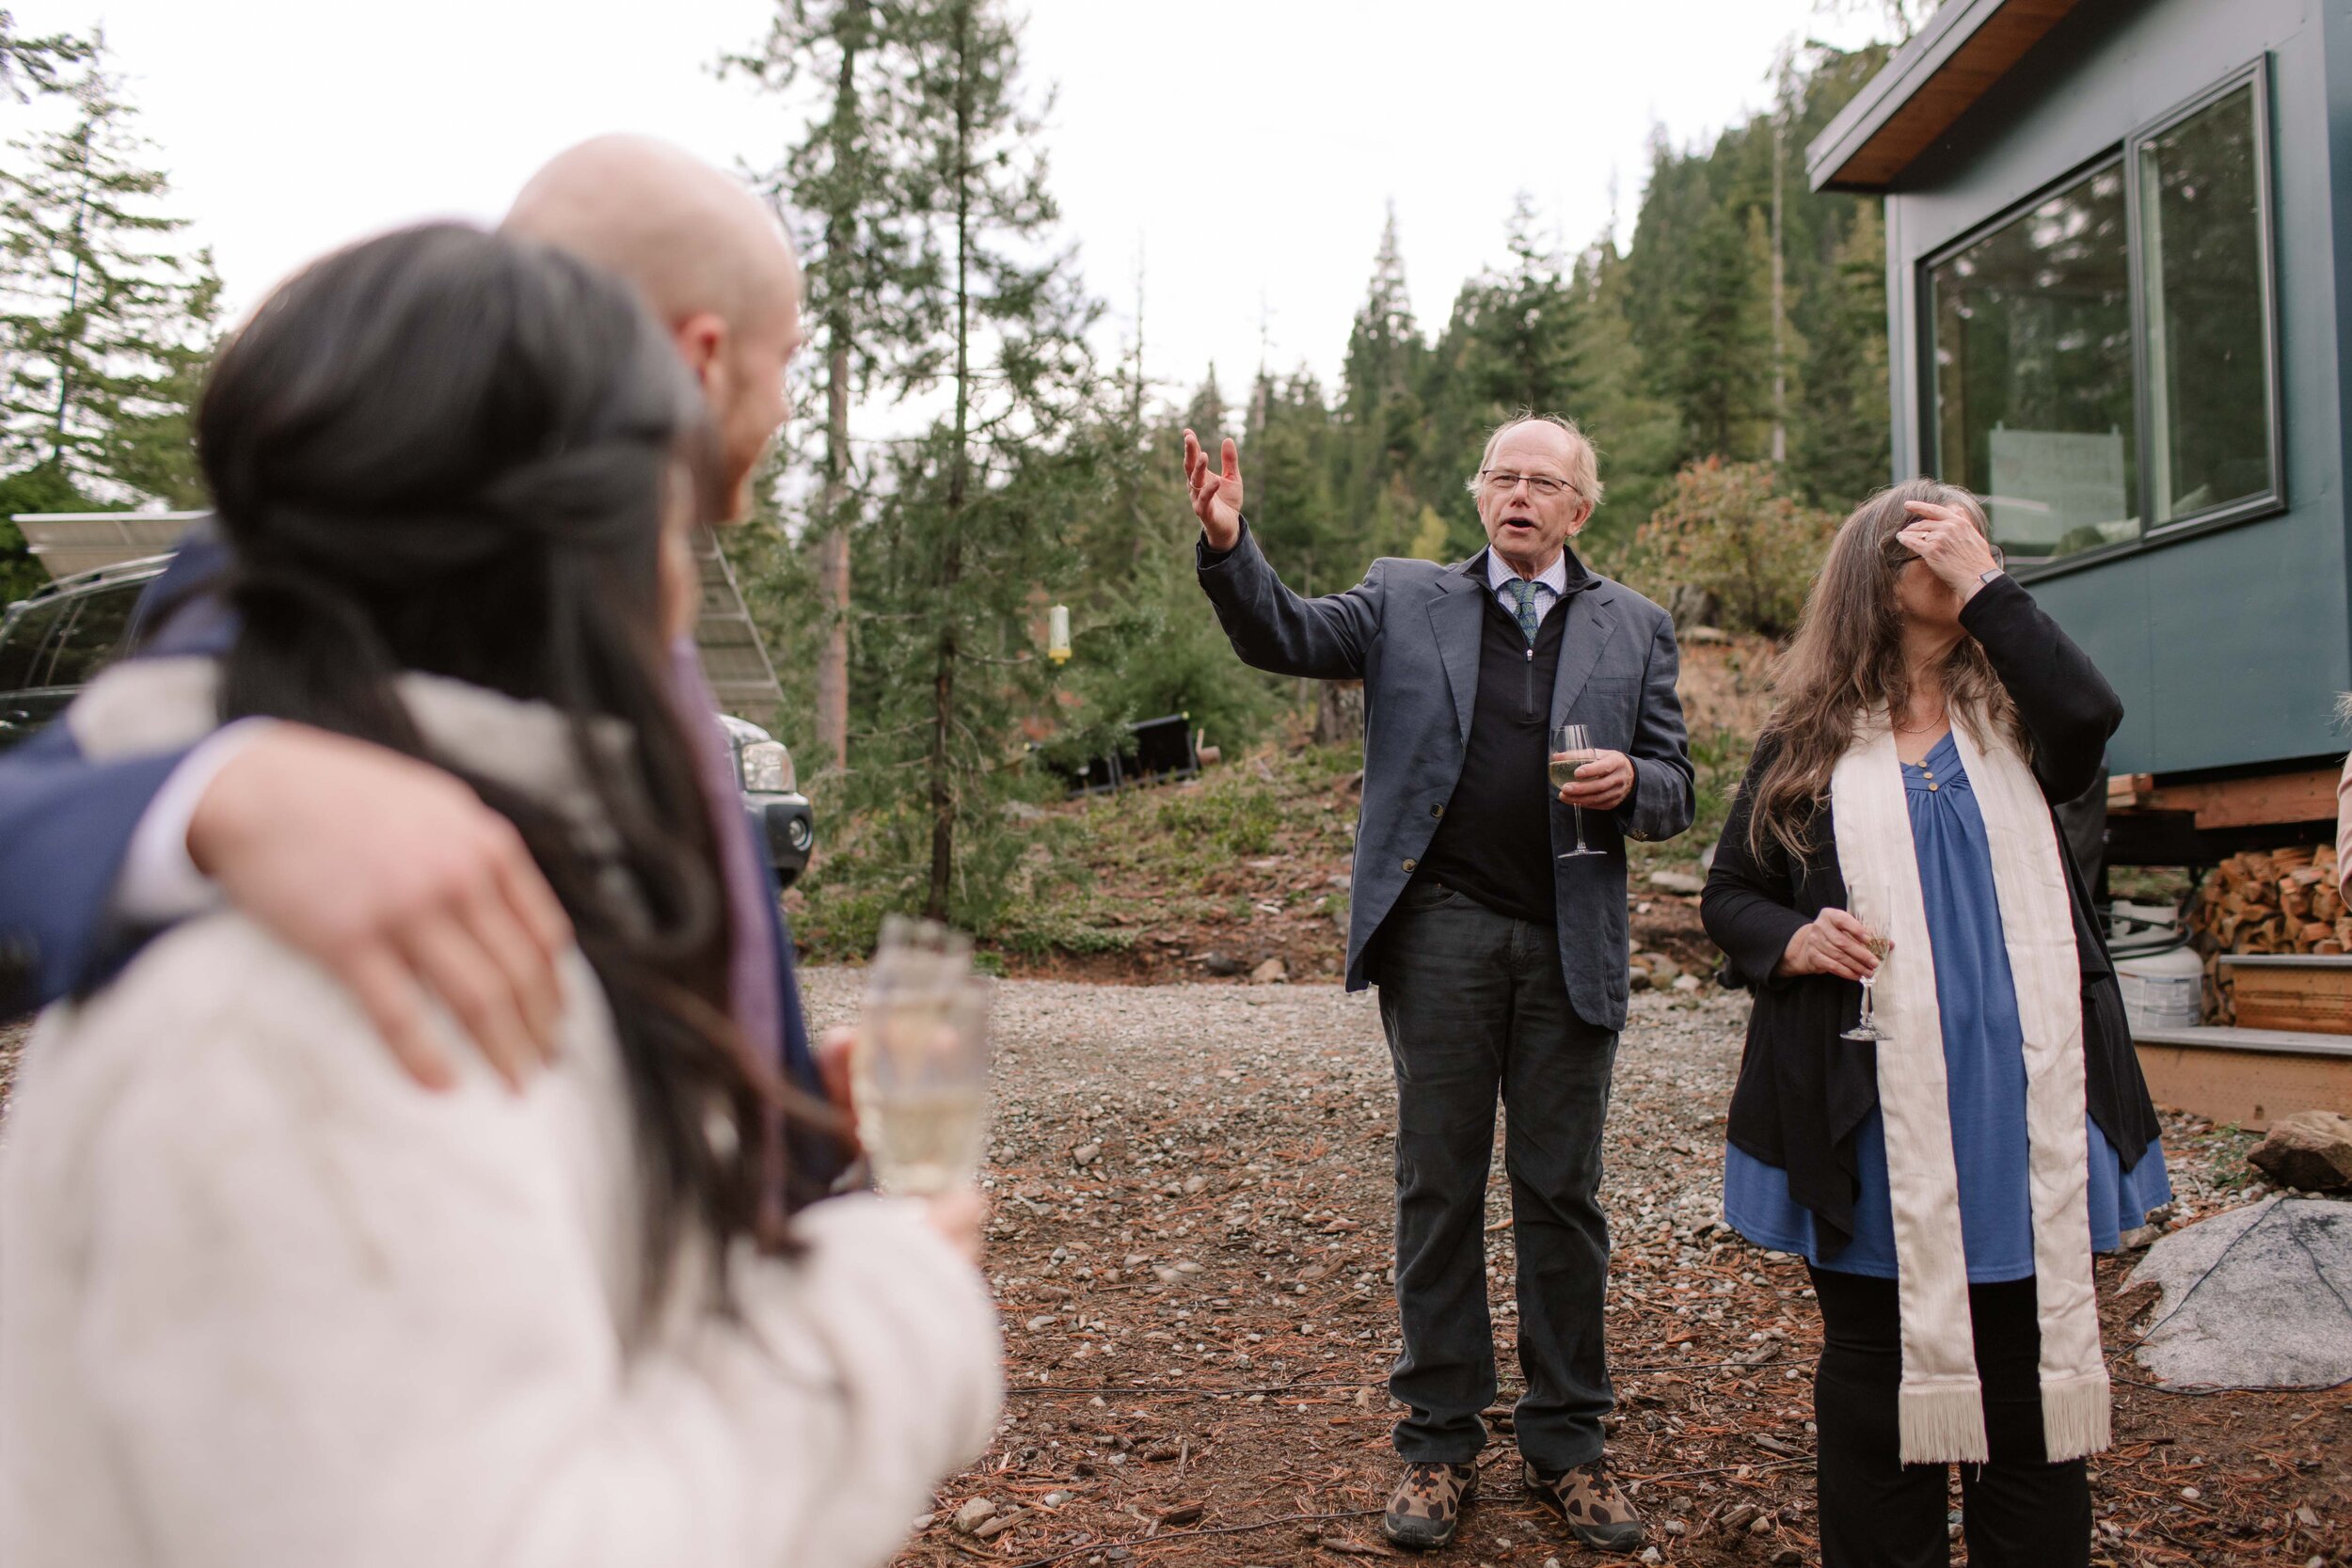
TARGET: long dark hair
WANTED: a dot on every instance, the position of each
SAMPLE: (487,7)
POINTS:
(1847,658)
(450,451)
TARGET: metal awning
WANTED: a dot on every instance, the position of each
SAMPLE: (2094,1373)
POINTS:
(1965,48)
(69,542)
(735,660)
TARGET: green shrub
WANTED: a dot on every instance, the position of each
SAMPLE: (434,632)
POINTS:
(1238,821)
(1725,530)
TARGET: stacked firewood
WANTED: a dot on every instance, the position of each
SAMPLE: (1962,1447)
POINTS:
(2266,901)
(2275,901)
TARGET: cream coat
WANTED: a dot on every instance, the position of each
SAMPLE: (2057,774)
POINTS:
(265,1302)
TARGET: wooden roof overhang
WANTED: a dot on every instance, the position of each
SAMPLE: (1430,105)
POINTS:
(1965,47)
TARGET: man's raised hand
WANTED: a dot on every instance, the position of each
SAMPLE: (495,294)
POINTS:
(1215,495)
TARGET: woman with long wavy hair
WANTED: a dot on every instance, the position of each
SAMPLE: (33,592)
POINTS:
(1948,1181)
(266,1300)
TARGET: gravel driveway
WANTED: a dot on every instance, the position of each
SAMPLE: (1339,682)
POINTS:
(1191,1249)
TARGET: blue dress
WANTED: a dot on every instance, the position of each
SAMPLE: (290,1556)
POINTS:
(1984,1065)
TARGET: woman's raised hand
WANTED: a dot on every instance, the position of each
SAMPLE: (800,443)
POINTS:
(1948,541)
(1216,495)
(1834,943)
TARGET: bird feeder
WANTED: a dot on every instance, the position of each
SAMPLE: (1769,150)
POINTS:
(1057,634)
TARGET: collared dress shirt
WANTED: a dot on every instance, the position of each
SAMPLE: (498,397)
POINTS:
(1552,583)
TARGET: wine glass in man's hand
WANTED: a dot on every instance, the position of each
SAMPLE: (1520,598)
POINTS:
(1216,495)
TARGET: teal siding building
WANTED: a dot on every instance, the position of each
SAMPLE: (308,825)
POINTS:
(2120,305)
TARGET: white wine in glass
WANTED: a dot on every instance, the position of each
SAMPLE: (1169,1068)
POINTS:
(1866,1025)
(1571,748)
(919,1071)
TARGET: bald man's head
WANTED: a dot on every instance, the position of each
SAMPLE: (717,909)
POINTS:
(709,258)
(691,237)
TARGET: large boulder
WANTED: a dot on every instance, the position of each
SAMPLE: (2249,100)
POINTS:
(2311,1150)
(2253,1298)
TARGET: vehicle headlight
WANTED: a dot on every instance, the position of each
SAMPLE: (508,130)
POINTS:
(768,769)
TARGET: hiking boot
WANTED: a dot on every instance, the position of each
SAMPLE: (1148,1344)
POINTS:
(1425,1509)
(1595,1510)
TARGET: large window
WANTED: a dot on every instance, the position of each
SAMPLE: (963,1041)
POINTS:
(2103,362)
(2033,372)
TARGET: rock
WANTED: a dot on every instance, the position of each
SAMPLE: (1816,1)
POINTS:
(974,1512)
(2311,1150)
(1687,983)
(1085,1154)
(1196,1184)
(1188,1266)
(1637,980)
(2248,1298)
(1651,1554)
(1677,881)
(1219,963)
(1042,1322)
(1663,972)
(1271,972)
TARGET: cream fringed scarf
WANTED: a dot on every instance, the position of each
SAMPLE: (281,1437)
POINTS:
(1941,1406)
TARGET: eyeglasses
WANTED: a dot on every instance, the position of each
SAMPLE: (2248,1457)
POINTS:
(1502,482)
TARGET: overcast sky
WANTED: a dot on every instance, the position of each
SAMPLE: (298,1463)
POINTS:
(1245,149)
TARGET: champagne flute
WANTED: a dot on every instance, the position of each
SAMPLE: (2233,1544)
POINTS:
(919,1070)
(1866,1027)
(1571,747)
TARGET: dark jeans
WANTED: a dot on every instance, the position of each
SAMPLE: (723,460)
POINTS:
(1474,1005)
(2017,1511)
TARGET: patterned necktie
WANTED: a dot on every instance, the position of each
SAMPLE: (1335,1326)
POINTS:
(1526,591)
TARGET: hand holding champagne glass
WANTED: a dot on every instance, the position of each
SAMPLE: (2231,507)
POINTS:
(1866,1027)
(919,1073)
(1571,748)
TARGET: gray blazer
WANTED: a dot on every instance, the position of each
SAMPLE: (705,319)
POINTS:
(1410,631)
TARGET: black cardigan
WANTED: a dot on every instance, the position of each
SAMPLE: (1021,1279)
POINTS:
(1803,1091)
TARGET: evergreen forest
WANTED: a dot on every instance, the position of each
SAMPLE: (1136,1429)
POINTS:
(1729,360)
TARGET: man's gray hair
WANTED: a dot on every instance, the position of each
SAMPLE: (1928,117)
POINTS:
(1583,474)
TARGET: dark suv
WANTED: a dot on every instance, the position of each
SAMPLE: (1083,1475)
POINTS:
(52,643)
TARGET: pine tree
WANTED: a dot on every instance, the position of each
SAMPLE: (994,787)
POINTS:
(39,64)
(874,275)
(1843,431)
(108,320)
(1386,421)
(1637,434)
(981,508)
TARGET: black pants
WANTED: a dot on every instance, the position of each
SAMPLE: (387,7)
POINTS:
(1474,1006)
(2017,1511)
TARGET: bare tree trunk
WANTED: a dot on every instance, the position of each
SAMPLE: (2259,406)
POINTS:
(832,569)
(1339,713)
(951,563)
(833,552)
(1780,310)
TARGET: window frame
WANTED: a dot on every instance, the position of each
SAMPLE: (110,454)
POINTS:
(2125,158)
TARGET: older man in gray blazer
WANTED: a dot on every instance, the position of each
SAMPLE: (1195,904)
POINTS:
(1500,957)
